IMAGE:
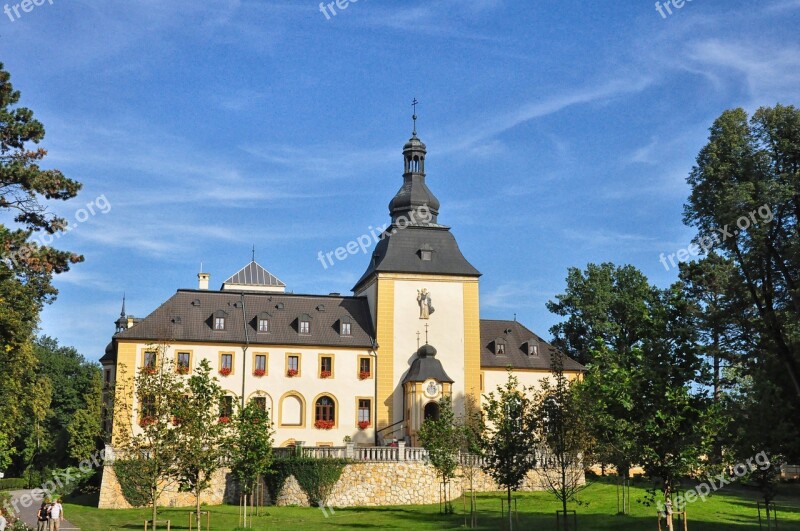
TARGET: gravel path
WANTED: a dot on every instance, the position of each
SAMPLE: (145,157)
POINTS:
(28,514)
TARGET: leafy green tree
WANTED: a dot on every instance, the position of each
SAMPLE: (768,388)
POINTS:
(669,433)
(444,438)
(150,446)
(202,435)
(250,448)
(563,429)
(26,269)
(509,436)
(746,198)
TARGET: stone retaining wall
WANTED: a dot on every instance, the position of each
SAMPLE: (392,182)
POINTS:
(361,484)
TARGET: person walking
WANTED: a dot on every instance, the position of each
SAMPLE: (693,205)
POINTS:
(42,524)
(3,521)
(56,515)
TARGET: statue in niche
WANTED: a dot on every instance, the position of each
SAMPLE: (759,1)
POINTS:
(425,305)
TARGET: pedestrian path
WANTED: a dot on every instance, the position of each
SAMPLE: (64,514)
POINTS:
(28,514)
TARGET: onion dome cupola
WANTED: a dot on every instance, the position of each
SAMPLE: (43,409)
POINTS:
(416,242)
(414,194)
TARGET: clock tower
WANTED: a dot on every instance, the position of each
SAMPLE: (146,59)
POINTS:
(418,282)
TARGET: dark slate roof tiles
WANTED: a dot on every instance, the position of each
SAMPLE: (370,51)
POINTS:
(516,337)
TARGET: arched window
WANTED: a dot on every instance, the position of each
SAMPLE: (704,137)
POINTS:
(325,409)
(431,411)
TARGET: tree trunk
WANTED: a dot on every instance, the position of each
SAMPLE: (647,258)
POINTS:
(197,500)
(509,509)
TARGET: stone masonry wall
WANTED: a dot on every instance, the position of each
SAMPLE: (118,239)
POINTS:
(361,484)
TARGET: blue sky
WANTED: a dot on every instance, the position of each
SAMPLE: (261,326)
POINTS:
(559,133)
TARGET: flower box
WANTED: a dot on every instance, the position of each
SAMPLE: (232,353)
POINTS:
(325,374)
(259,372)
(224,420)
(225,371)
(183,369)
(363,375)
(149,370)
(291,373)
(146,421)
(363,424)
(323,424)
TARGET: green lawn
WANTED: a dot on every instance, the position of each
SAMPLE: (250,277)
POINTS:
(730,509)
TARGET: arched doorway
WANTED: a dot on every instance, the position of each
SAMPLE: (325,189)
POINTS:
(431,411)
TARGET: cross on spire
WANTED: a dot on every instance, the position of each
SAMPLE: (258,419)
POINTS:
(414,103)
(417,339)
(254,253)
(426,333)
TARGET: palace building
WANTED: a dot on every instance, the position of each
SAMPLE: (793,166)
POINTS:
(370,366)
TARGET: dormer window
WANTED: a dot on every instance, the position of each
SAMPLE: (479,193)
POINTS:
(263,322)
(425,253)
(533,350)
(218,320)
(499,347)
(345,327)
(304,324)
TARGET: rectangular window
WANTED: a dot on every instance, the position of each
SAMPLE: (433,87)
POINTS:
(261,362)
(183,362)
(365,367)
(226,407)
(501,348)
(108,377)
(293,363)
(345,329)
(260,402)
(219,323)
(150,360)
(263,325)
(305,327)
(364,410)
(227,361)
(326,364)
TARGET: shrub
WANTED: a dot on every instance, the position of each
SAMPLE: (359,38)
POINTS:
(13,483)
(316,477)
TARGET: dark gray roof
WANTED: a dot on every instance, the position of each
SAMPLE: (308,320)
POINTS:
(187,316)
(253,274)
(110,355)
(516,337)
(426,366)
(398,252)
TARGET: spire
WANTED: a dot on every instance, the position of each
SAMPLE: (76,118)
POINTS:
(122,322)
(414,116)
(414,201)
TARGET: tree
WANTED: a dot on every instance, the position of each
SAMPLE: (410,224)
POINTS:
(150,450)
(26,268)
(746,200)
(443,437)
(201,434)
(669,436)
(563,430)
(509,436)
(250,448)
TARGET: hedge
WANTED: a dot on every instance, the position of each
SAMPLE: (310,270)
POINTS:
(13,483)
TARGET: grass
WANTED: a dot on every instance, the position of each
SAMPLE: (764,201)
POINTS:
(733,508)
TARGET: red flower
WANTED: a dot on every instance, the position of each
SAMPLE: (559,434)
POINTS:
(323,424)
(149,370)
(291,372)
(146,421)
(225,371)
(224,420)
(325,374)
(363,424)
(183,369)
(176,421)
(363,375)
(259,372)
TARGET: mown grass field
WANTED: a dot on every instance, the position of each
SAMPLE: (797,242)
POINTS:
(732,508)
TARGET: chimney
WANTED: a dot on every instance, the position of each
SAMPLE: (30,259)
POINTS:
(202,280)
(131,320)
